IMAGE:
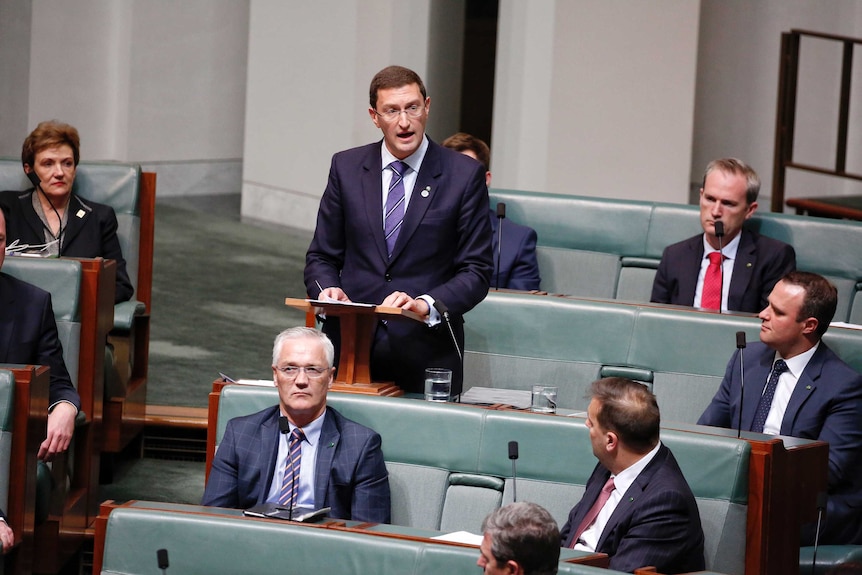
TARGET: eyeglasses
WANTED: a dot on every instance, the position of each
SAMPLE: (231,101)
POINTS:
(311,372)
(391,114)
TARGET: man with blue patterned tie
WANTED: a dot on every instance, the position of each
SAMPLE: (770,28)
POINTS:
(301,453)
(799,387)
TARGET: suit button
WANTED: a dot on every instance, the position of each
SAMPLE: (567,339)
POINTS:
(388,277)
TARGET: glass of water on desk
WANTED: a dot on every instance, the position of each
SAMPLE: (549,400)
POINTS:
(544,399)
(438,384)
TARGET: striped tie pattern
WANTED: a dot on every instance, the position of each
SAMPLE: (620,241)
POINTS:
(394,214)
(290,484)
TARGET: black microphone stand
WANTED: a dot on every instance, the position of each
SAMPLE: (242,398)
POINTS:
(740,345)
(501,215)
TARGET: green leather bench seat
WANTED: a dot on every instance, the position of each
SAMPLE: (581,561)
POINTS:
(62,278)
(7,412)
(610,248)
(228,545)
(449,464)
(513,341)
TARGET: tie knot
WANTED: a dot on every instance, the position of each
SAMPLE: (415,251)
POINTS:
(779,367)
(609,485)
(398,167)
(716,258)
(297,435)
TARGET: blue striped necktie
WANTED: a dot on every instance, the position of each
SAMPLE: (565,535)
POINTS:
(290,484)
(765,403)
(394,214)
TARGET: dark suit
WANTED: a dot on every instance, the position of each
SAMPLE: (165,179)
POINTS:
(519,268)
(760,262)
(656,522)
(826,404)
(91,232)
(443,250)
(350,474)
(28,335)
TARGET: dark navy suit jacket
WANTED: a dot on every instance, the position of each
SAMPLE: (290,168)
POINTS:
(825,405)
(443,250)
(519,268)
(656,523)
(91,232)
(760,263)
(350,474)
(28,335)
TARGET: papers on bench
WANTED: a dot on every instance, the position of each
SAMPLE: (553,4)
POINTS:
(520,398)
(461,537)
(274,511)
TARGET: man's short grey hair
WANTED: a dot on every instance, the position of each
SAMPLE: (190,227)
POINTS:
(527,534)
(293,333)
(739,168)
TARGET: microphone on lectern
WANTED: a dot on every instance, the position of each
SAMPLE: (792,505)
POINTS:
(513,455)
(740,345)
(162,557)
(719,233)
(501,215)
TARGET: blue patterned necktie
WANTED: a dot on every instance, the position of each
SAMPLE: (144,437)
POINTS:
(290,484)
(394,205)
(766,399)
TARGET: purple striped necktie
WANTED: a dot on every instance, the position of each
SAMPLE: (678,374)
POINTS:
(290,484)
(394,213)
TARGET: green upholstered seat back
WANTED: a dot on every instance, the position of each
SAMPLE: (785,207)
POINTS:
(62,279)
(225,544)
(7,406)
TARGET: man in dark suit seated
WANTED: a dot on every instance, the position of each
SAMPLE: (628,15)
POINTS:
(692,273)
(404,223)
(519,539)
(637,506)
(28,335)
(301,453)
(515,263)
(799,387)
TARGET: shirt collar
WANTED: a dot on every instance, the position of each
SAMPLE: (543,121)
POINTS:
(312,430)
(624,479)
(728,250)
(796,364)
(414,160)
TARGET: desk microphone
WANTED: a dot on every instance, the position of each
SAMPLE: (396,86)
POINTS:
(444,312)
(501,215)
(37,183)
(162,557)
(513,455)
(284,427)
(740,345)
(719,233)
(821,507)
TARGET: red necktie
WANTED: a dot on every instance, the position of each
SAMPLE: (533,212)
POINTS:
(710,297)
(590,518)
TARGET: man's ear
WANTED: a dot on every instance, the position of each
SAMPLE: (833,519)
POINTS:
(513,567)
(611,441)
(810,325)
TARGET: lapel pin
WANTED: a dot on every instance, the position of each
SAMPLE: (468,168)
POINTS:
(748,265)
(808,387)
(80,214)
(426,192)
(331,444)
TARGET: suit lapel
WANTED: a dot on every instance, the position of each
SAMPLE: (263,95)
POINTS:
(743,268)
(372,198)
(77,216)
(691,269)
(423,194)
(757,372)
(268,454)
(7,303)
(326,447)
(805,386)
(30,216)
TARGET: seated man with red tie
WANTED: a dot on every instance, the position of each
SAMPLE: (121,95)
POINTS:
(691,272)
(301,453)
(800,388)
(637,506)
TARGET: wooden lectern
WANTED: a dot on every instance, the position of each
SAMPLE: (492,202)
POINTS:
(357,334)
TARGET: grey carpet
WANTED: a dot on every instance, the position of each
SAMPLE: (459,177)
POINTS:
(218,296)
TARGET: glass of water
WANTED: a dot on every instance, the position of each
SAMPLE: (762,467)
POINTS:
(544,399)
(438,384)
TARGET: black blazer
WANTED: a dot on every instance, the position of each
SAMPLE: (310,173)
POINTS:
(760,263)
(656,523)
(91,232)
(28,335)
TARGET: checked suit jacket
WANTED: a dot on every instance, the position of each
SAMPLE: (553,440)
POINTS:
(350,474)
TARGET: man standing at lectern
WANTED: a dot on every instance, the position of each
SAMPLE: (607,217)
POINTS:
(403,222)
